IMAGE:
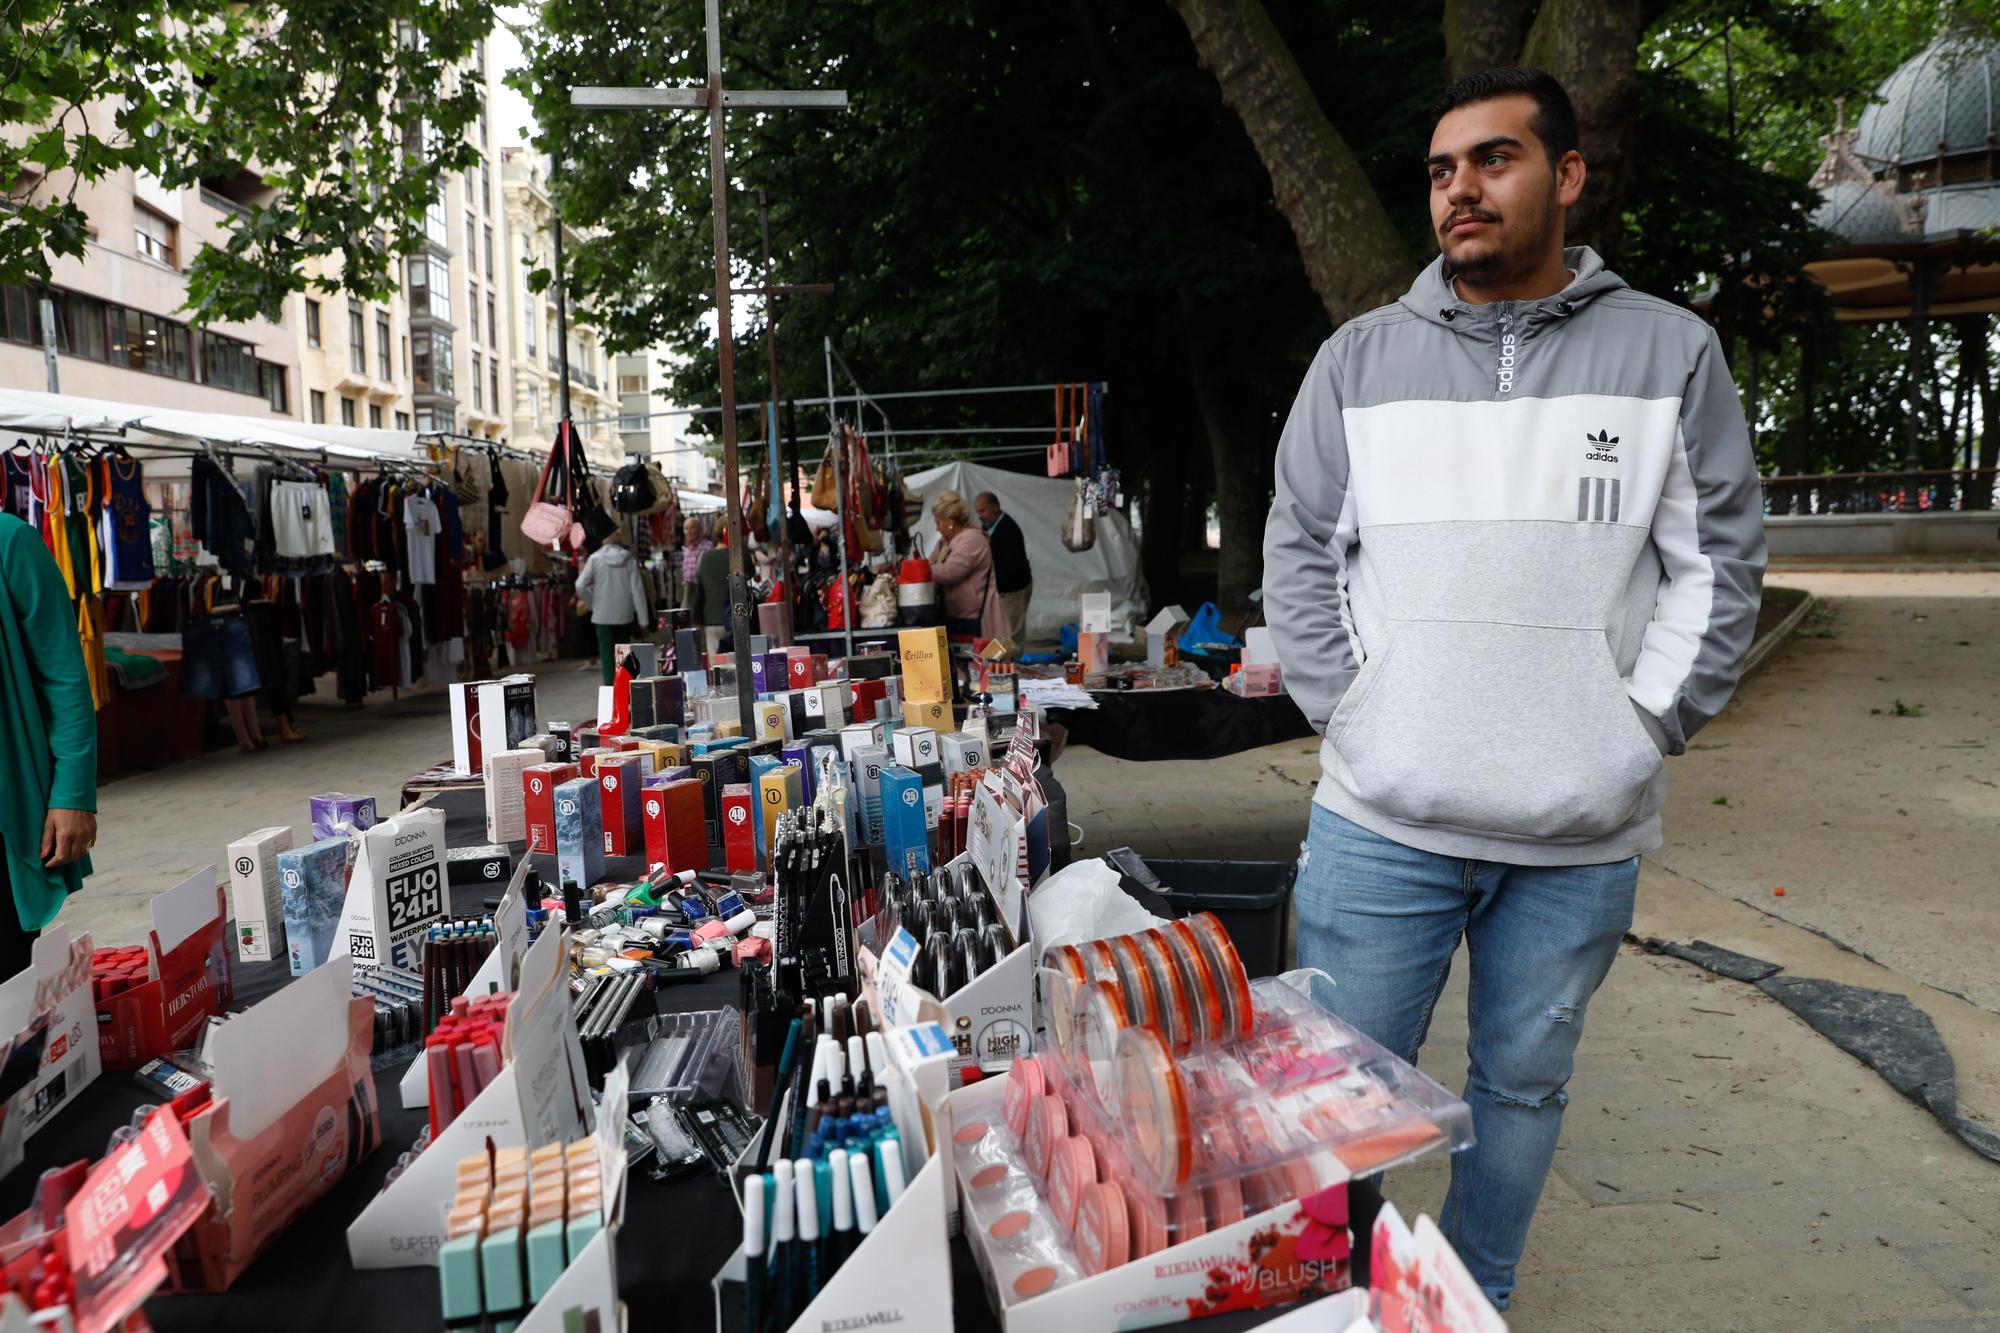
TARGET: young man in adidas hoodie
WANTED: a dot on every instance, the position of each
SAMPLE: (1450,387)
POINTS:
(1513,562)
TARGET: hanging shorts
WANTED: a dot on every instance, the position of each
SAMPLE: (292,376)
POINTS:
(218,660)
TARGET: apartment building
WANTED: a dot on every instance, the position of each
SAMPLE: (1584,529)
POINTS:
(643,429)
(459,346)
(117,333)
(433,357)
(535,349)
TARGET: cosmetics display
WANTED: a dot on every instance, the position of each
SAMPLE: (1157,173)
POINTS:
(463,1054)
(685,1058)
(1180,1102)
(451,955)
(155,999)
(516,1221)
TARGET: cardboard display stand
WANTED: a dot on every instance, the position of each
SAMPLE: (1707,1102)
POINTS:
(189,979)
(1228,1268)
(46,1009)
(541,1096)
(396,890)
(499,972)
(292,1110)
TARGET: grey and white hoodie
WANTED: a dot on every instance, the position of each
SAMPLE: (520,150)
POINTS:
(1515,557)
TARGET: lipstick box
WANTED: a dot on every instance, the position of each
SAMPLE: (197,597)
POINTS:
(675,832)
(539,783)
(618,778)
(579,833)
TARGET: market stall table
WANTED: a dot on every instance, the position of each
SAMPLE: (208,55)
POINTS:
(1147,725)
(675,1237)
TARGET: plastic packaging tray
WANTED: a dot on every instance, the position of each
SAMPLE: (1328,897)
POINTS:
(688,1057)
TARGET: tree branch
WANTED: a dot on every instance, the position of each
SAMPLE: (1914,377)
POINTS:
(1352,254)
(1479,34)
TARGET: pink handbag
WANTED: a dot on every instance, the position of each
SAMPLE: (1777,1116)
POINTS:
(548,523)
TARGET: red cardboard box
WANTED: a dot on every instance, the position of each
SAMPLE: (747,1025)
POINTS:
(865,696)
(676,826)
(188,978)
(618,778)
(820,671)
(739,831)
(293,1110)
(799,669)
(538,796)
(587,761)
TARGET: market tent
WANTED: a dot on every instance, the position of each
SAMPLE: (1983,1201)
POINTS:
(1039,504)
(32,409)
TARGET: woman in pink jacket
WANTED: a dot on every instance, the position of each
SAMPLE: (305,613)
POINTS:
(962,566)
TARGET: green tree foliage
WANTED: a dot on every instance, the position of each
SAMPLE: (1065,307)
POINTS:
(334,121)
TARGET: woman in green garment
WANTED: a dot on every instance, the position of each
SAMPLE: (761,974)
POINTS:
(48,744)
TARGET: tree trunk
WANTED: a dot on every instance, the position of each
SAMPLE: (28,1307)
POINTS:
(1798,440)
(1352,254)
(1980,495)
(1592,47)
(1479,34)
(1242,459)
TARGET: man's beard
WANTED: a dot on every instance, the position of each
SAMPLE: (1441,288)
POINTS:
(1502,262)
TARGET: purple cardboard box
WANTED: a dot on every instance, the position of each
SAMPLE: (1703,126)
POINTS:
(340,814)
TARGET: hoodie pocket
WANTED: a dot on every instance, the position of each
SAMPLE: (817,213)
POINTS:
(1520,730)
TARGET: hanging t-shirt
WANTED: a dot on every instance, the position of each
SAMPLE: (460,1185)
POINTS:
(421,525)
(16,469)
(126,526)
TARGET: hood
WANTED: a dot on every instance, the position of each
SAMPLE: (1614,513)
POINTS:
(1432,297)
(612,554)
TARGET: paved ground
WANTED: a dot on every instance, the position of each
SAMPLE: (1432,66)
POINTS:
(1723,1167)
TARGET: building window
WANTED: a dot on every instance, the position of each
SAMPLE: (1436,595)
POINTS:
(312,323)
(346,411)
(157,236)
(430,354)
(318,406)
(375,415)
(402,421)
(357,338)
(486,185)
(528,329)
(471,303)
(631,384)
(535,404)
(434,231)
(430,287)
(551,352)
(492,323)
(493,382)
(273,378)
(478,385)
(471,235)
(489,252)
(385,364)
(406,357)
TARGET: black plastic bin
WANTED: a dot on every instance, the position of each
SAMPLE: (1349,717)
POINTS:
(1252,899)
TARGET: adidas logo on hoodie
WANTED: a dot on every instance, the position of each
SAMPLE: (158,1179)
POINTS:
(1600,446)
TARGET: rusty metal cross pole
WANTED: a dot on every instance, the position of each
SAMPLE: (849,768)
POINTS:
(715,99)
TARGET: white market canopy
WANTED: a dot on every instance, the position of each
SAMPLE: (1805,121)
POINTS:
(1062,576)
(35,410)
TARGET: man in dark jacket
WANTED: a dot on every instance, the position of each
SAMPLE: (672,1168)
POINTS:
(1013,578)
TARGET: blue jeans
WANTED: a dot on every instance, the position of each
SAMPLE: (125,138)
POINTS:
(1384,920)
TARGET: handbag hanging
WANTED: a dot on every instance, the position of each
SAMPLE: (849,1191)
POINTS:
(548,520)
(826,487)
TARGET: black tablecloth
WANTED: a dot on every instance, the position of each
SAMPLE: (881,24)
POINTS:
(676,1235)
(1180,724)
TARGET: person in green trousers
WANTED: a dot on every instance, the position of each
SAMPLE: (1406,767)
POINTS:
(48,760)
(613,589)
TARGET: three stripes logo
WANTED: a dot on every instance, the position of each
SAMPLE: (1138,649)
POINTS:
(1600,447)
(1597,499)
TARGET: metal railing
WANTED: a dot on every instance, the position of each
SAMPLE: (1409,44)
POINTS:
(1945,491)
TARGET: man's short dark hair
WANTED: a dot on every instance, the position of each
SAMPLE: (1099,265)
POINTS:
(1554,122)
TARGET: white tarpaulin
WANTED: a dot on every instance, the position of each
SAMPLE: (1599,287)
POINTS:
(1038,504)
(32,409)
